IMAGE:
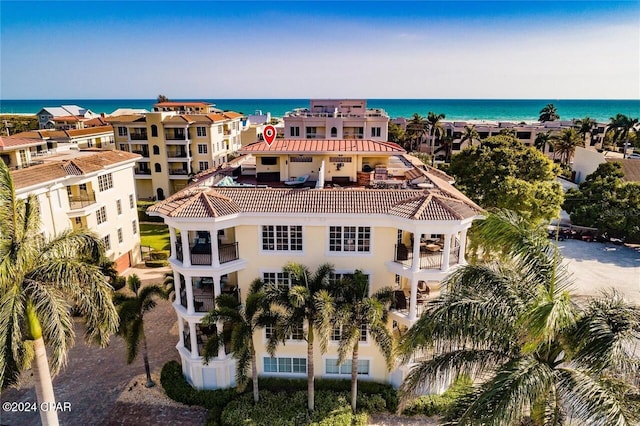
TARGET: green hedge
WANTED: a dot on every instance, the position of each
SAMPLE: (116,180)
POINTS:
(159,254)
(142,212)
(155,263)
(439,405)
(119,283)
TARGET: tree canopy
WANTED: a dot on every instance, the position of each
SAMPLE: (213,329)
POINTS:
(606,202)
(549,113)
(505,173)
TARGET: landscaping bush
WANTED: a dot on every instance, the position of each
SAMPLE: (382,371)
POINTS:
(283,408)
(439,405)
(155,263)
(159,254)
(142,212)
(119,283)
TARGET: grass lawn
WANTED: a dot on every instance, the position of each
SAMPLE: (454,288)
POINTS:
(155,235)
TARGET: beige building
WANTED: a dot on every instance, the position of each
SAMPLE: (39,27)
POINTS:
(176,141)
(88,189)
(337,119)
(409,236)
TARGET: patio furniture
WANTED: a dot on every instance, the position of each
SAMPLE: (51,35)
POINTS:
(299,181)
(423,288)
(400,300)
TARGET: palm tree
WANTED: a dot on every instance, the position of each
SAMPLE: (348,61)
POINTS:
(40,279)
(548,113)
(564,144)
(244,321)
(357,311)
(415,132)
(621,125)
(435,130)
(131,310)
(511,325)
(585,127)
(309,301)
(446,146)
(541,141)
(470,134)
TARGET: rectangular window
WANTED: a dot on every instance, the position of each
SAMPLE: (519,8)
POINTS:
(105,182)
(340,159)
(134,226)
(375,132)
(285,365)
(106,240)
(300,159)
(336,333)
(219,129)
(202,148)
(120,237)
(124,147)
(119,207)
(203,165)
(278,278)
(101,215)
(350,239)
(132,201)
(268,161)
(294,131)
(78,220)
(201,131)
(332,367)
(282,238)
(311,132)
(122,131)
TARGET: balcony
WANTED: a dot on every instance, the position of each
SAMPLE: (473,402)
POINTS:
(145,172)
(82,200)
(430,256)
(138,136)
(176,154)
(178,173)
(143,152)
(175,136)
(200,253)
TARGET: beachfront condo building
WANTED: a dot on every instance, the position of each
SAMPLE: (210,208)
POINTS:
(88,189)
(337,119)
(357,204)
(66,117)
(176,141)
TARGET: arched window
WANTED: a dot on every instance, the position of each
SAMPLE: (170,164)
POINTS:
(334,132)
(158,168)
(160,194)
(156,150)
(154,130)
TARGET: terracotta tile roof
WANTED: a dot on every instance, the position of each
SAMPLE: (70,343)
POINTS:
(178,119)
(216,117)
(284,146)
(441,181)
(203,202)
(126,118)
(66,118)
(90,131)
(74,167)
(95,122)
(13,142)
(630,168)
(232,114)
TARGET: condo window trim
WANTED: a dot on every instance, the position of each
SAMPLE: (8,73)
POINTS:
(287,365)
(282,238)
(332,368)
(349,239)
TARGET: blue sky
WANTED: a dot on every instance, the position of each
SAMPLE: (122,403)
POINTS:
(237,49)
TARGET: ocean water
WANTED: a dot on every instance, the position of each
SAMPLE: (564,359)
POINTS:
(454,109)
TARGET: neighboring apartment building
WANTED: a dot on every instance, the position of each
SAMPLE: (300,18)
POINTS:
(88,189)
(410,236)
(337,119)
(176,141)
(65,117)
(90,137)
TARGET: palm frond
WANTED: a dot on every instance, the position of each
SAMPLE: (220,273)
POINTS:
(134,334)
(15,354)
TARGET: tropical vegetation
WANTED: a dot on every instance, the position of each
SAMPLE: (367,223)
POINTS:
(605,201)
(470,135)
(436,129)
(41,279)
(359,313)
(131,311)
(415,133)
(565,143)
(548,113)
(535,355)
(622,128)
(585,126)
(505,173)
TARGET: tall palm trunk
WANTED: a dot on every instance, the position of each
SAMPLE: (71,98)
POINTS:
(41,373)
(145,357)
(254,373)
(354,377)
(310,376)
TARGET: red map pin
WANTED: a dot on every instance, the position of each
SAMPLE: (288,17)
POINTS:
(269,134)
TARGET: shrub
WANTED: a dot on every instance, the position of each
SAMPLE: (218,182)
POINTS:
(440,405)
(155,263)
(159,254)
(119,283)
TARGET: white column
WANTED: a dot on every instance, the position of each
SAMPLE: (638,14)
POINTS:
(415,262)
(186,253)
(215,259)
(180,332)
(176,286)
(217,291)
(172,240)
(194,340)
(189,286)
(463,246)
(413,299)
(221,352)
(446,253)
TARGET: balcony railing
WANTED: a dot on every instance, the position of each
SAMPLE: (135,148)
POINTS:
(177,154)
(183,297)
(228,252)
(178,172)
(428,260)
(201,253)
(143,152)
(82,200)
(172,137)
(142,171)
(203,302)
(138,137)
(201,258)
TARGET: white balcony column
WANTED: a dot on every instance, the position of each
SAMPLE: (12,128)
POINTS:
(180,332)
(215,257)
(217,291)
(186,253)
(189,285)
(413,299)
(415,262)
(194,340)
(221,352)
(176,286)
(172,239)
(446,253)
(463,247)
